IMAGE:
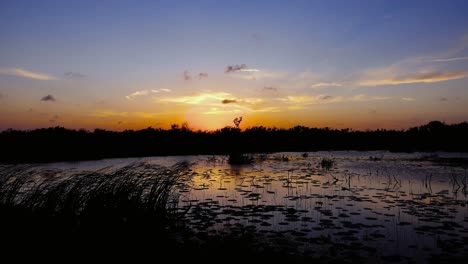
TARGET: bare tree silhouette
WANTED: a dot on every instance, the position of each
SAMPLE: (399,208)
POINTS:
(237,121)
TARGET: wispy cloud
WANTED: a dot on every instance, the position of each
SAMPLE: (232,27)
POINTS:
(146,92)
(26,74)
(123,115)
(304,100)
(202,98)
(242,72)
(239,68)
(74,75)
(202,75)
(229,101)
(408,99)
(326,84)
(421,77)
(48,98)
(215,103)
(451,59)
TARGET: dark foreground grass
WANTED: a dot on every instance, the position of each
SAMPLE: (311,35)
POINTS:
(89,211)
(129,213)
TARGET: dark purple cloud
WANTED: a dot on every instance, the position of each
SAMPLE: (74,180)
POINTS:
(229,101)
(74,75)
(202,75)
(48,98)
(235,68)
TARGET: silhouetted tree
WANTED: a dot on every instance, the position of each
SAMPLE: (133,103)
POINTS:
(237,121)
(58,143)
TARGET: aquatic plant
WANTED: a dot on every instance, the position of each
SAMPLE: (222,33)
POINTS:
(375,158)
(327,163)
(239,159)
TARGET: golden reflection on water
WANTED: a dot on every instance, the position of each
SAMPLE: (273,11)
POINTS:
(403,206)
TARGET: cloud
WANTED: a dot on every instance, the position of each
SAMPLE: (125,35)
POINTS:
(239,68)
(202,75)
(408,99)
(146,92)
(443,99)
(228,101)
(74,75)
(215,103)
(186,76)
(26,74)
(235,68)
(270,88)
(304,100)
(326,84)
(241,71)
(48,98)
(129,115)
(421,77)
(450,59)
(202,98)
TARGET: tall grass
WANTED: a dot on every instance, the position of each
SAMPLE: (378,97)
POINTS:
(137,196)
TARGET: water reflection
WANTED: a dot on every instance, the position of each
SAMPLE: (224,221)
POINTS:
(389,206)
(375,204)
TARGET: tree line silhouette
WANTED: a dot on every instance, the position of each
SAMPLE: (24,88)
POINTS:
(60,144)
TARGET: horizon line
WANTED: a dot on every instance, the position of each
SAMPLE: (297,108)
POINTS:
(185,126)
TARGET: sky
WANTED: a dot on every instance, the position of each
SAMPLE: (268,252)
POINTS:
(133,64)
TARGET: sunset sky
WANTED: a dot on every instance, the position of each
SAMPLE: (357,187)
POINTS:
(133,64)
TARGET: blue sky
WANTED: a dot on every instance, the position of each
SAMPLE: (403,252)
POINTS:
(324,61)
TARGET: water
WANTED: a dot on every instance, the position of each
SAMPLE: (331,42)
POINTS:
(396,204)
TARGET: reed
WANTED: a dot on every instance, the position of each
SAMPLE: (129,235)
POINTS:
(138,195)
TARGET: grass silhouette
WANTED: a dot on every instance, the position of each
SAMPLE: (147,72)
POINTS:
(108,205)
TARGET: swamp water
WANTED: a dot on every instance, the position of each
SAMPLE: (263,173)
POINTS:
(394,207)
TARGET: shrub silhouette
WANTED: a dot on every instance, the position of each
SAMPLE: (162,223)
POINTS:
(58,143)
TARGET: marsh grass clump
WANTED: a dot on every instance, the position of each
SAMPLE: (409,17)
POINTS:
(327,163)
(136,197)
(375,158)
(239,159)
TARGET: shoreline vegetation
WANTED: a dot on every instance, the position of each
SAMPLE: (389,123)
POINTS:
(88,211)
(61,144)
